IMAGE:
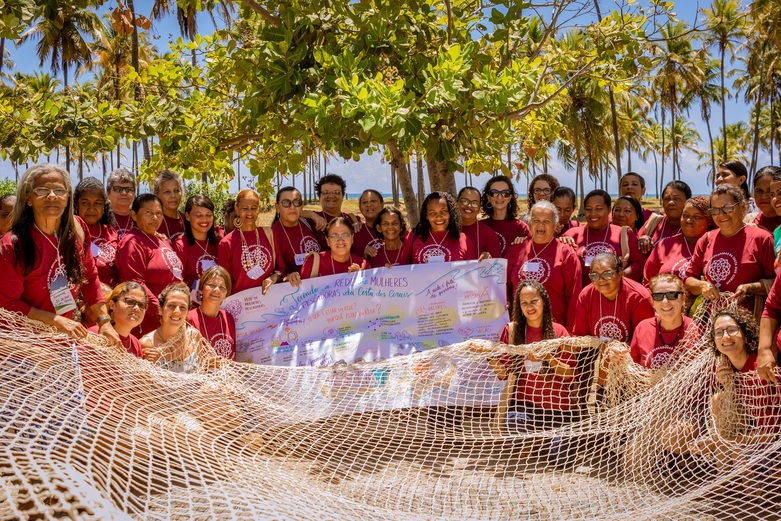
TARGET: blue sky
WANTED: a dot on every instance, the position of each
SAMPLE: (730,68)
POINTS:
(373,172)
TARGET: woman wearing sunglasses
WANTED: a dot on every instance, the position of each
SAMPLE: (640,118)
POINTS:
(293,237)
(127,304)
(481,235)
(500,205)
(735,258)
(656,339)
(611,306)
(338,259)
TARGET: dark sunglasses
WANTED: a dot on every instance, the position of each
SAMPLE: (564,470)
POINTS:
(671,295)
(496,193)
(298,203)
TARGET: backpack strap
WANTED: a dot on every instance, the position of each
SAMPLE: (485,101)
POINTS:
(270,237)
(624,241)
(651,224)
(315,264)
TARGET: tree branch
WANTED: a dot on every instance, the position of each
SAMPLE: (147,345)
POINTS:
(270,18)
(518,114)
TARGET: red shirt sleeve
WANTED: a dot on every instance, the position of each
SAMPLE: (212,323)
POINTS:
(132,266)
(90,289)
(697,261)
(581,316)
(306,268)
(574,286)
(12,288)
(636,257)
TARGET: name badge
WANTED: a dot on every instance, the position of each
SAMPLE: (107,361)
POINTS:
(588,260)
(436,258)
(532,367)
(531,266)
(61,296)
(177,273)
(255,273)
(300,258)
(95,250)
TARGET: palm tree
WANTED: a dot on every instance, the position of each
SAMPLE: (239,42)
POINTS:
(725,25)
(707,92)
(61,40)
(678,71)
(737,135)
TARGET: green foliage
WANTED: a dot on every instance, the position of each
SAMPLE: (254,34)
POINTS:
(7,186)
(214,193)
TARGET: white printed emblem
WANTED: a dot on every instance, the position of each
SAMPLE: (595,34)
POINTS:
(722,269)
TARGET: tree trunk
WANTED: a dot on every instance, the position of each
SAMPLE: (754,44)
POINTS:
(421,180)
(103,163)
(616,142)
(81,166)
(755,145)
(712,176)
(661,178)
(433,179)
(405,182)
(723,105)
(394,186)
(579,176)
(2,54)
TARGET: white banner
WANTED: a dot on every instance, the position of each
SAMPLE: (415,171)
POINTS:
(370,315)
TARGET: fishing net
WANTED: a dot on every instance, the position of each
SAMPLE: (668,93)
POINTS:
(88,432)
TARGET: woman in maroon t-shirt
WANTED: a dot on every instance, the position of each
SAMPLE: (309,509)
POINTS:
(91,204)
(733,337)
(197,247)
(736,258)
(628,212)
(127,303)
(766,218)
(45,259)
(545,395)
(147,257)
(338,259)
(169,187)
(563,198)
(438,235)
(482,236)
(392,229)
(215,325)
(672,255)
(674,197)
(366,243)
(293,237)
(500,205)
(248,252)
(121,190)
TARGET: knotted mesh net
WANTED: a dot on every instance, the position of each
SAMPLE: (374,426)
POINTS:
(88,432)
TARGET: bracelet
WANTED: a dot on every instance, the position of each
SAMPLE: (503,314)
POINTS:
(102,320)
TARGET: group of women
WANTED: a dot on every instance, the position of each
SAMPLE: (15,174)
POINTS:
(151,279)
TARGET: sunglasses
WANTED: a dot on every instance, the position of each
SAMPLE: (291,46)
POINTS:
(671,295)
(287,203)
(496,193)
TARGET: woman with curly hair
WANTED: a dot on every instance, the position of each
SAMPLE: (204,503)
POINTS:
(500,205)
(395,249)
(438,235)
(91,204)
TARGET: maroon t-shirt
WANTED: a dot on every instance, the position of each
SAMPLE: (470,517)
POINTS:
(293,243)
(366,237)
(652,347)
(589,243)
(400,257)
(555,266)
(196,257)
(507,230)
(484,238)
(259,264)
(172,227)
(328,218)
(761,399)
(130,343)
(728,262)
(662,231)
(124,224)
(20,292)
(670,255)
(571,224)
(773,306)
(616,320)
(329,266)
(151,261)
(219,331)
(104,250)
(543,387)
(440,247)
(768,223)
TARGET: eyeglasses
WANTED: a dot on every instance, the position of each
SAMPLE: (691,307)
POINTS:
(42,191)
(727,209)
(215,287)
(287,203)
(336,192)
(728,331)
(467,202)
(343,237)
(605,275)
(123,189)
(496,193)
(671,295)
(542,191)
(133,303)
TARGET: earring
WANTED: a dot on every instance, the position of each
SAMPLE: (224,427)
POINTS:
(489,205)
(237,222)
